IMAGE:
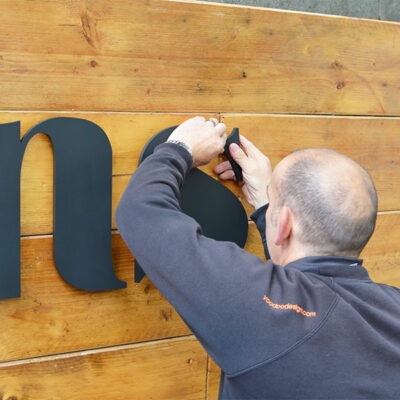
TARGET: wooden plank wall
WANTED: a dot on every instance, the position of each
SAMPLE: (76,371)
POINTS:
(287,80)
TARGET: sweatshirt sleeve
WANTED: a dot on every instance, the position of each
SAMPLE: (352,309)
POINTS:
(229,298)
(258,217)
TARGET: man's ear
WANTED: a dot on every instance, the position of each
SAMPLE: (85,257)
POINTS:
(285,222)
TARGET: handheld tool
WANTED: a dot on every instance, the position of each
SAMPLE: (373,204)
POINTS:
(234,138)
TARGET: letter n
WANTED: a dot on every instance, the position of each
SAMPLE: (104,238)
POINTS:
(82,204)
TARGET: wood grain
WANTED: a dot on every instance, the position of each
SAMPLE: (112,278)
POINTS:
(382,253)
(154,55)
(170,369)
(163,58)
(213,379)
(128,134)
(373,142)
(53,317)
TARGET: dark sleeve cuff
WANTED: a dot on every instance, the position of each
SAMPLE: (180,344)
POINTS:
(179,150)
(258,217)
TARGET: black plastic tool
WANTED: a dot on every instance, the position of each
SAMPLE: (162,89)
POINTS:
(234,138)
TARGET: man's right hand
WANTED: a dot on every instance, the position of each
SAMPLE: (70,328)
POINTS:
(256,169)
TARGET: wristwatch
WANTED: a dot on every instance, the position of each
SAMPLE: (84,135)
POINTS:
(184,145)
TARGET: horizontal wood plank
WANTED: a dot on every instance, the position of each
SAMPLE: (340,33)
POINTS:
(128,134)
(162,56)
(53,317)
(213,379)
(159,56)
(171,369)
(373,142)
(382,253)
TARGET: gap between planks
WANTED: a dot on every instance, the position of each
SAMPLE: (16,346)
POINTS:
(105,349)
(189,113)
(206,388)
(114,231)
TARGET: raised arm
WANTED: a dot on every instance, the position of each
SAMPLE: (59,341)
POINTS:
(226,295)
(257,173)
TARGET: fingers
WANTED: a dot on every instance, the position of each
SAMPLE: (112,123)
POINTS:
(220,168)
(224,171)
(212,121)
(248,146)
(220,129)
(238,154)
(224,139)
(221,140)
(229,174)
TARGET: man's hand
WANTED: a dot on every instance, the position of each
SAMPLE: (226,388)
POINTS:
(256,169)
(205,138)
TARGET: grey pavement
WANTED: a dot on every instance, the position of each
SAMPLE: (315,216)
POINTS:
(388,10)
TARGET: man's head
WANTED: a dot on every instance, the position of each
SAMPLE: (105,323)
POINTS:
(321,203)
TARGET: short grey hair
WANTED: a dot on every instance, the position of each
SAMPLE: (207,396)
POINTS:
(325,208)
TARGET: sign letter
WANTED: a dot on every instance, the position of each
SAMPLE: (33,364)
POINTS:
(82,204)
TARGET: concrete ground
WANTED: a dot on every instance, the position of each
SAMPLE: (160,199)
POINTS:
(388,10)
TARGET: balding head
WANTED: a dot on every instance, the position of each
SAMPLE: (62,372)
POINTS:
(332,198)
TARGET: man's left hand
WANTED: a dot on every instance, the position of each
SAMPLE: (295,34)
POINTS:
(205,138)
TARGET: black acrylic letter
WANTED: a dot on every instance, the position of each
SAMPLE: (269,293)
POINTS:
(217,210)
(82,204)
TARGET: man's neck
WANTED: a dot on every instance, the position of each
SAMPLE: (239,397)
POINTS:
(296,253)
(289,257)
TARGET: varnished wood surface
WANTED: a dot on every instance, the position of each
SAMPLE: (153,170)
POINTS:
(382,253)
(213,379)
(373,142)
(170,58)
(53,317)
(165,370)
(174,56)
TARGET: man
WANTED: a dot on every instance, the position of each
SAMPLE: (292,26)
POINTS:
(309,323)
